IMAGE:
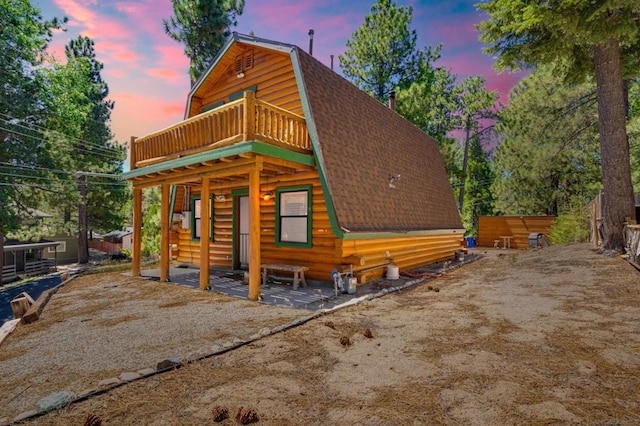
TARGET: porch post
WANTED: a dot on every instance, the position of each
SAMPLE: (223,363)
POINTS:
(254,232)
(165,204)
(137,231)
(205,222)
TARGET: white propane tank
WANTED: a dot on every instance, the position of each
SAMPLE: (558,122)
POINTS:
(393,272)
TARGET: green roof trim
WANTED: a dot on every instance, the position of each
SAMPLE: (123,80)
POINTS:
(373,235)
(215,154)
(313,133)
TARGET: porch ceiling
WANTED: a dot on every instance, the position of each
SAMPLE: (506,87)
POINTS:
(220,170)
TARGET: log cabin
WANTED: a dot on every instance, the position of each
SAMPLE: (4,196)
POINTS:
(280,160)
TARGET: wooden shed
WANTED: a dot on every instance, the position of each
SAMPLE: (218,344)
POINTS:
(298,167)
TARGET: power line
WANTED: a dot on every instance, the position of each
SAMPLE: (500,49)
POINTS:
(44,129)
(97,154)
(106,151)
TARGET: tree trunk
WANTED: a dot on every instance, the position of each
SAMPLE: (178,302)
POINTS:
(1,253)
(614,145)
(465,160)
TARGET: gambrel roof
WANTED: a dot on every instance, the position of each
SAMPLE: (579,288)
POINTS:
(360,148)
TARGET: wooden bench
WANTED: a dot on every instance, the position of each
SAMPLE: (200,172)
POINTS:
(298,273)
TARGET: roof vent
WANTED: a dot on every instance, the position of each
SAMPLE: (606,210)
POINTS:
(392,100)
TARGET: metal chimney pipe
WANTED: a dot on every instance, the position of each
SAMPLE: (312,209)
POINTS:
(392,100)
(331,61)
(311,42)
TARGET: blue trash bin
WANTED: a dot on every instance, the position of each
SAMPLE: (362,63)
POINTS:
(470,243)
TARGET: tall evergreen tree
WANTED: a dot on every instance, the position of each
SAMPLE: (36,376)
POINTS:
(78,126)
(478,200)
(588,38)
(430,102)
(24,36)
(202,26)
(476,106)
(549,153)
(382,54)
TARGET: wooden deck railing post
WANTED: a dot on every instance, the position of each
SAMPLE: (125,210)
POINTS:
(249,128)
(132,153)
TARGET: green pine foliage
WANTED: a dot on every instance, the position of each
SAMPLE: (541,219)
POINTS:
(571,226)
(77,125)
(478,199)
(585,40)
(430,101)
(24,36)
(202,26)
(549,156)
(382,54)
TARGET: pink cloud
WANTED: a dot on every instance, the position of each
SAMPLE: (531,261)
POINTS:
(116,73)
(453,36)
(95,25)
(167,74)
(147,15)
(132,115)
(112,51)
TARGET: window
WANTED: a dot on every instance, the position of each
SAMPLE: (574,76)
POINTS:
(197,218)
(240,94)
(62,248)
(293,216)
(211,106)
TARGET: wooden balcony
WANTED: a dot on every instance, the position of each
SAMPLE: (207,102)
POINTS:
(247,119)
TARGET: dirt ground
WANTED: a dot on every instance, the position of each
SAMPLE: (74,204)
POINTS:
(535,337)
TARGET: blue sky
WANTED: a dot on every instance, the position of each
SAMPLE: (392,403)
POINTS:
(147,71)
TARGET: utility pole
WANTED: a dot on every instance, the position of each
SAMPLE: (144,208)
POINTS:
(83,243)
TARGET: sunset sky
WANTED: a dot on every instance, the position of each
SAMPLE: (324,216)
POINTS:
(147,71)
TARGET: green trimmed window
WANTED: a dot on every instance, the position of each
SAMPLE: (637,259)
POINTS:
(240,94)
(293,216)
(196,218)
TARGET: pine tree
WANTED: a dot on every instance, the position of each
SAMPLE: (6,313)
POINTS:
(78,126)
(202,26)
(549,153)
(382,54)
(24,36)
(588,39)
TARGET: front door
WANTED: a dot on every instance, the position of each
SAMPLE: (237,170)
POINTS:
(241,228)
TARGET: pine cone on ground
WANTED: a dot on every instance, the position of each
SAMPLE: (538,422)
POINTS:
(220,414)
(92,420)
(245,417)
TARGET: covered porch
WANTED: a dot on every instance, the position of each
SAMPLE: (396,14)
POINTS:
(26,259)
(239,144)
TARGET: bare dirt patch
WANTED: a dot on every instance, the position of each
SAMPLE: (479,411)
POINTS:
(547,337)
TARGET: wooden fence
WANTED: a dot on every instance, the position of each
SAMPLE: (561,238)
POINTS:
(105,246)
(493,228)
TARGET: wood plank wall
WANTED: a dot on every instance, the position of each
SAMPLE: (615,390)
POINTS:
(327,251)
(272,74)
(491,228)
(406,252)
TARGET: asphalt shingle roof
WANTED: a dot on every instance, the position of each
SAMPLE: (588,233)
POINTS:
(362,144)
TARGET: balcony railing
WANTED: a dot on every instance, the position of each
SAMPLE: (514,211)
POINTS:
(243,120)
